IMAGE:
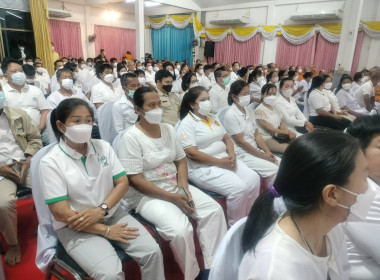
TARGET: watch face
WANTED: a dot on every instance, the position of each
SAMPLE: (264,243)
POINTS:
(104,207)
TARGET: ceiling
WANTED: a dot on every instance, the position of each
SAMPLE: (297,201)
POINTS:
(206,4)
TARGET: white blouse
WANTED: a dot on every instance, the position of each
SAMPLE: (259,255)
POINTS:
(333,99)
(273,117)
(278,256)
(255,90)
(290,113)
(318,100)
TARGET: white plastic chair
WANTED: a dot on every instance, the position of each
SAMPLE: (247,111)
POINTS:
(221,115)
(105,122)
(50,131)
(115,142)
(306,112)
(229,255)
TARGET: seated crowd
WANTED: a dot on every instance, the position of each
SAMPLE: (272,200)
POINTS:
(160,138)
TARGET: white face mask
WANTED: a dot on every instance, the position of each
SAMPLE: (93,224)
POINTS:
(179,67)
(114,64)
(359,210)
(276,69)
(244,100)
(204,107)
(154,116)
(328,85)
(80,133)
(67,83)
(363,80)
(299,70)
(275,80)
(18,78)
(201,72)
(139,68)
(270,100)
(346,86)
(366,78)
(142,80)
(150,68)
(30,63)
(156,68)
(287,93)
(193,85)
(40,70)
(108,78)
(295,78)
(210,75)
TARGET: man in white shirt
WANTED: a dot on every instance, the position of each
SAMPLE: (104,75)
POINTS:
(58,64)
(42,76)
(234,76)
(365,94)
(19,94)
(150,75)
(123,112)
(131,66)
(219,92)
(20,140)
(208,79)
(305,84)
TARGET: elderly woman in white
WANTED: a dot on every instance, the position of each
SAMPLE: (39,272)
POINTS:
(290,113)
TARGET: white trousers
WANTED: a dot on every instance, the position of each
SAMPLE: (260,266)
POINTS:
(98,258)
(241,187)
(173,225)
(266,169)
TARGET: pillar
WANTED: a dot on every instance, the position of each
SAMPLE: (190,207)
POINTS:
(269,46)
(373,53)
(140,29)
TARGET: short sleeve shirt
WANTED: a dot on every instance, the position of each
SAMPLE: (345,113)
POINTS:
(318,100)
(207,136)
(255,90)
(84,181)
(218,98)
(123,114)
(102,93)
(170,106)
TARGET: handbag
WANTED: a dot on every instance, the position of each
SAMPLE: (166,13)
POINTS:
(281,138)
(301,129)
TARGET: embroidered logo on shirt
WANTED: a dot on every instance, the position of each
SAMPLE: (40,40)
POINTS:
(103,160)
(183,136)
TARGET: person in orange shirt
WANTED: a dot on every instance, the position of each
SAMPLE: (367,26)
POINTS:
(299,73)
(128,55)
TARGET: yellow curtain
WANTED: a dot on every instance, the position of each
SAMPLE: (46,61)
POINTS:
(298,30)
(40,20)
(197,25)
(217,30)
(373,25)
(180,17)
(335,28)
(244,31)
(269,28)
(157,20)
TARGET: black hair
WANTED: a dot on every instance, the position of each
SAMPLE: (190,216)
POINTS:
(29,57)
(101,50)
(242,71)
(325,77)
(235,89)
(21,43)
(281,73)
(113,59)
(29,70)
(80,60)
(119,67)
(71,66)
(292,73)
(364,128)
(138,72)
(269,76)
(358,76)
(307,75)
(56,62)
(63,70)
(189,98)
(146,63)
(365,71)
(138,96)
(315,83)
(101,68)
(282,82)
(265,89)
(258,67)
(344,77)
(124,78)
(186,79)
(254,74)
(197,67)
(207,67)
(63,110)
(161,74)
(218,72)
(5,63)
(313,160)
(168,63)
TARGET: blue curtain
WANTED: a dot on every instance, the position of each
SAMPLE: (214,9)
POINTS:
(173,43)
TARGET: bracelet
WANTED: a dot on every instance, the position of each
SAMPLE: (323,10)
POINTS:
(108,231)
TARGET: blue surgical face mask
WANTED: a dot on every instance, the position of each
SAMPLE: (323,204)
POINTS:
(226,81)
(2,100)
(18,78)
(131,93)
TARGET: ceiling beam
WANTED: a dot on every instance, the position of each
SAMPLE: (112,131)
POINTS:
(185,4)
(95,2)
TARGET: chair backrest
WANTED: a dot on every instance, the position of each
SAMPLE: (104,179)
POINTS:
(46,236)
(177,125)
(105,122)
(306,112)
(229,255)
(50,131)
(221,115)
(115,142)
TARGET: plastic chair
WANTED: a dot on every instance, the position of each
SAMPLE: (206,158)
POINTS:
(51,257)
(105,122)
(221,115)
(229,255)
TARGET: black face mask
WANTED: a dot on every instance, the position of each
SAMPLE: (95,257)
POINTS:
(167,88)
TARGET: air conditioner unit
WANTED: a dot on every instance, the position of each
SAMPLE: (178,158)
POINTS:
(232,21)
(59,13)
(316,17)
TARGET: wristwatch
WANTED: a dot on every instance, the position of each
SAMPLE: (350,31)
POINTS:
(104,207)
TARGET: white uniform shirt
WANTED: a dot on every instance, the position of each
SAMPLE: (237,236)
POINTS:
(318,100)
(278,256)
(218,98)
(84,181)
(150,77)
(207,82)
(290,113)
(365,89)
(123,114)
(255,90)
(333,99)
(152,157)
(236,122)
(102,93)
(354,87)
(206,137)
(43,79)
(301,94)
(233,77)
(56,97)
(31,99)
(177,86)
(273,117)
(346,98)
(54,83)
(363,241)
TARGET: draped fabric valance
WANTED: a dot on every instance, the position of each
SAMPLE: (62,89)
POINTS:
(294,34)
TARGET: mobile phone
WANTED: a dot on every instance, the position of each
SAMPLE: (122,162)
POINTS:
(183,192)
(17,168)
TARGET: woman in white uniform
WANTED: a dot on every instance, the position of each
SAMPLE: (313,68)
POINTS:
(155,163)
(293,230)
(240,123)
(83,182)
(211,157)
(291,115)
(363,242)
(270,121)
(255,85)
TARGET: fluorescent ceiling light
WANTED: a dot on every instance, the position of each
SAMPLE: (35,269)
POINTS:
(111,14)
(147,3)
(2,18)
(14,15)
